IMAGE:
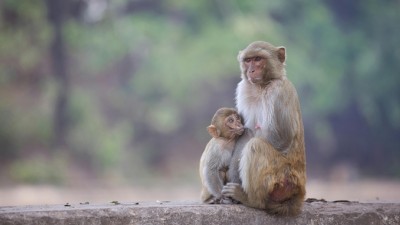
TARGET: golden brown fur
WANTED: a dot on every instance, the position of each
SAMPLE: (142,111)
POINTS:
(268,166)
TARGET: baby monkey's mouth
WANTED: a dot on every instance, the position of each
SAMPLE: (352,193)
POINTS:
(240,131)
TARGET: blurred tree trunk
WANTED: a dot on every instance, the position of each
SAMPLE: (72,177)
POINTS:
(56,17)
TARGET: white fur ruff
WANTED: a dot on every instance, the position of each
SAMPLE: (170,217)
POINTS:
(258,105)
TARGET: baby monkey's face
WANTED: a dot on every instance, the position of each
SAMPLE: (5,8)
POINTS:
(234,125)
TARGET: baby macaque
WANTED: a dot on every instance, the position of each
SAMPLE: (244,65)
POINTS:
(226,126)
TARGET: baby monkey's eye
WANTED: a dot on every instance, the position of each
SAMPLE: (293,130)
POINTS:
(237,117)
(230,120)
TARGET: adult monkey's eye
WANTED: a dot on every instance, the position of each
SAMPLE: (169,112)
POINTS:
(247,60)
(258,58)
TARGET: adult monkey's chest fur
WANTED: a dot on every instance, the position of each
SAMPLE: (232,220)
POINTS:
(258,105)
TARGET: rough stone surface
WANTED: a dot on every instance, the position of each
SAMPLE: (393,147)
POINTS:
(196,213)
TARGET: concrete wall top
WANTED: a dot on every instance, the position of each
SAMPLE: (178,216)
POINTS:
(196,213)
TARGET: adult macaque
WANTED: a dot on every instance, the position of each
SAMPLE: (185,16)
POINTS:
(268,169)
(226,126)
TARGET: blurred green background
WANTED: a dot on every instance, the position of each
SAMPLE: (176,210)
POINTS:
(98,92)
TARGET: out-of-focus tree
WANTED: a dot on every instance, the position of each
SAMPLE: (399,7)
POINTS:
(127,87)
(350,87)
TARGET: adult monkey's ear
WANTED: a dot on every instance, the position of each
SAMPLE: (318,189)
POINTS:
(239,56)
(281,54)
(213,131)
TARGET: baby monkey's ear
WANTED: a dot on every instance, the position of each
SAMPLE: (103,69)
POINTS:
(213,131)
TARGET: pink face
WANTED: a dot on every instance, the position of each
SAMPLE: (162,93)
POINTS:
(254,68)
(234,124)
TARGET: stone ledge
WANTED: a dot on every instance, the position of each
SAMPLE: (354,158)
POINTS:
(196,213)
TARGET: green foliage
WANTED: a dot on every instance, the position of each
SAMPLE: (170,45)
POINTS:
(144,81)
(22,40)
(99,145)
(38,170)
